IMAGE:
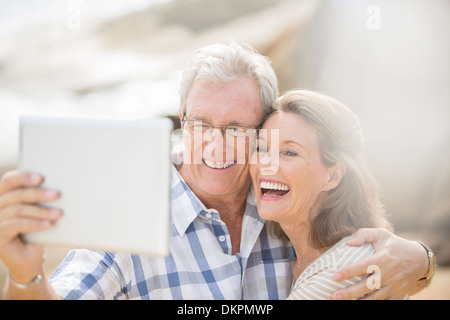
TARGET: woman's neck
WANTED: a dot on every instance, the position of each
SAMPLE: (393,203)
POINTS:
(299,237)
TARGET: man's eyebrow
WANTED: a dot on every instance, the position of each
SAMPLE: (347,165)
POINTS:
(200,118)
(230,123)
(235,123)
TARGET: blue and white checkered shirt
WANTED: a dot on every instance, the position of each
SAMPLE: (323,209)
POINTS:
(200,264)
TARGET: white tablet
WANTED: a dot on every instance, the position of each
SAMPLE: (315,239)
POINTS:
(114,179)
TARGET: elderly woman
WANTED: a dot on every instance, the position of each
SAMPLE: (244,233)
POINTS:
(322,192)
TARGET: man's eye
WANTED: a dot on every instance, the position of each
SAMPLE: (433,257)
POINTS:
(200,126)
(235,130)
(261,149)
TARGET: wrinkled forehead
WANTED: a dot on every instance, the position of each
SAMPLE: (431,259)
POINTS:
(233,102)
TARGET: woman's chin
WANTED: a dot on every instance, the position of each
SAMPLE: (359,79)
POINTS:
(269,213)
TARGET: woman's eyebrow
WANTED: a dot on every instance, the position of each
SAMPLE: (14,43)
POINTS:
(293,142)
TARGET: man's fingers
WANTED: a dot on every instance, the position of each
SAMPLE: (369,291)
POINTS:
(30,211)
(27,195)
(11,228)
(16,179)
(353,292)
(365,235)
(380,294)
(356,269)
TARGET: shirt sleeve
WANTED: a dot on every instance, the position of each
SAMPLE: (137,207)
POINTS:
(317,282)
(87,274)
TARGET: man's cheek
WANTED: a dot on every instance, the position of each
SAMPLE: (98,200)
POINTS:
(238,150)
(192,150)
(214,150)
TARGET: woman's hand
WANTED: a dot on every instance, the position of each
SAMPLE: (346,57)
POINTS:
(399,262)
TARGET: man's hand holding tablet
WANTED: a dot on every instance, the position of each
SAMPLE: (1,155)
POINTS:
(93,183)
(20,192)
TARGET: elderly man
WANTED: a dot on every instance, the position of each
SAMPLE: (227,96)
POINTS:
(219,246)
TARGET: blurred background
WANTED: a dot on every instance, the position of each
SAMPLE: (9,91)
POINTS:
(388,60)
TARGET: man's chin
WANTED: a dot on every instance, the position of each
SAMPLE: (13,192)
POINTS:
(223,188)
(218,189)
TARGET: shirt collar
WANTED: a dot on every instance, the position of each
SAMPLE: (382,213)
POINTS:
(186,206)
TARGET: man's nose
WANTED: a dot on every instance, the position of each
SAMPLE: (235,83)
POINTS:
(215,137)
(215,134)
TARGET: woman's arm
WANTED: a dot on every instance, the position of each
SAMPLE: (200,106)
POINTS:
(321,286)
(317,283)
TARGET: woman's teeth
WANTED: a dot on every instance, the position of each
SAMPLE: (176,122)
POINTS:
(273,186)
(216,165)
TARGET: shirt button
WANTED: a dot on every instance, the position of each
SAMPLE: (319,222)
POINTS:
(209,215)
(222,238)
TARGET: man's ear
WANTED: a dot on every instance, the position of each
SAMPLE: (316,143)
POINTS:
(336,173)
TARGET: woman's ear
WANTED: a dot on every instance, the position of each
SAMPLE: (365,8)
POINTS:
(336,173)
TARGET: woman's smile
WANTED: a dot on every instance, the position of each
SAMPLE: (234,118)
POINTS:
(272,190)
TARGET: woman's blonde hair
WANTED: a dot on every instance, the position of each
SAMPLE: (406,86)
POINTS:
(356,202)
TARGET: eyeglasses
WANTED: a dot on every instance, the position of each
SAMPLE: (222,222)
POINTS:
(197,127)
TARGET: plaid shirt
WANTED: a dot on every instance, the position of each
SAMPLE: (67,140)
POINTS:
(200,264)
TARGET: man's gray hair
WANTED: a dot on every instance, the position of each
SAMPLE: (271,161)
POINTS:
(225,63)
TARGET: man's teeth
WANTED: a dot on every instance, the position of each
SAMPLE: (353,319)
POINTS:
(273,186)
(216,165)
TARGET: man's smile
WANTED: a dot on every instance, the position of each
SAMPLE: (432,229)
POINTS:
(218,165)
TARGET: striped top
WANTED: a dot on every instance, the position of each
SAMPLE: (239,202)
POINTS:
(316,281)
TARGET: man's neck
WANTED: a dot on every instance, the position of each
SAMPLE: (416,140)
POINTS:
(230,205)
(231,208)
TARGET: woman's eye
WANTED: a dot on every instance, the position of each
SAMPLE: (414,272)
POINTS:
(290,153)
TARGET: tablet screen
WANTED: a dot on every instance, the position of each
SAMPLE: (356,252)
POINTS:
(114,179)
